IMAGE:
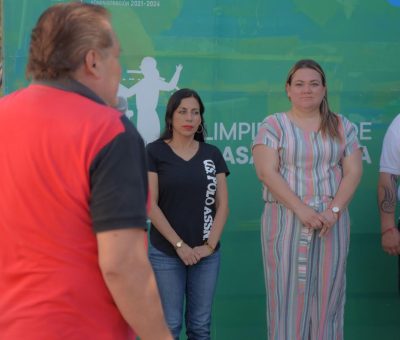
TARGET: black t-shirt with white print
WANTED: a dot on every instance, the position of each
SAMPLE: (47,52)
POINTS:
(187,192)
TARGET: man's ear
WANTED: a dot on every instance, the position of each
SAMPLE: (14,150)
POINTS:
(91,62)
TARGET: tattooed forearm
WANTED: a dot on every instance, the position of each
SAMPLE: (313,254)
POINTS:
(389,199)
(388,204)
(393,181)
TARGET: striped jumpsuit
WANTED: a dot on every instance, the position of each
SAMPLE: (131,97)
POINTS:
(305,275)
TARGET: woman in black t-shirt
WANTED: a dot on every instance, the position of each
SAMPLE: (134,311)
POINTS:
(189,207)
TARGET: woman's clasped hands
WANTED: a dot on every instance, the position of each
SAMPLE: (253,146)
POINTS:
(191,256)
(317,220)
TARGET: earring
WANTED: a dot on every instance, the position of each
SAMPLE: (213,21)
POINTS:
(201,130)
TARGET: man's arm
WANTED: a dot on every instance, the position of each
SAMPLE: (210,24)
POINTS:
(387,200)
(129,277)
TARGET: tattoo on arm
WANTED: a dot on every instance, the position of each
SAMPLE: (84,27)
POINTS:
(388,203)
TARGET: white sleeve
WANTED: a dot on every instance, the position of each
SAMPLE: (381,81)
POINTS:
(390,156)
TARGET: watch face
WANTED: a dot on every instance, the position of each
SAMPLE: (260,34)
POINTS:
(335,210)
(179,244)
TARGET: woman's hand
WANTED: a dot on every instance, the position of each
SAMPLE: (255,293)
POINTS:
(309,217)
(329,218)
(202,251)
(187,255)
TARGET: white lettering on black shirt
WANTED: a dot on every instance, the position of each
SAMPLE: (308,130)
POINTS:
(209,168)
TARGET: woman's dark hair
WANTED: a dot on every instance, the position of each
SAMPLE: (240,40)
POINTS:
(329,120)
(173,103)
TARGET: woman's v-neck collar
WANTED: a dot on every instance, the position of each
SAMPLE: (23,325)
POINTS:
(297,127)
(179,157)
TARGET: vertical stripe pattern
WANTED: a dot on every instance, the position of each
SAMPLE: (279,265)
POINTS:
(304,273)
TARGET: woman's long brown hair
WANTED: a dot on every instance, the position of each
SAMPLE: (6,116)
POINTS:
(329,120)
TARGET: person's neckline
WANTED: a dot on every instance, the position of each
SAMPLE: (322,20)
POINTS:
(71,85)
(293,123)
(180,156)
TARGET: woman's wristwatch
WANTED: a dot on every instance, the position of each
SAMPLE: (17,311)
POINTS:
(335,209)
(178,244)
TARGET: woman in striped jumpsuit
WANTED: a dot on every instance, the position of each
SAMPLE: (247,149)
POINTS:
(309,161)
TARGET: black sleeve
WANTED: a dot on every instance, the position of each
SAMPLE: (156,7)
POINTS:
(220,164)
(118,178)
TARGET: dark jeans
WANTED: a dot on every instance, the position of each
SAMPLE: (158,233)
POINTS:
(196,283)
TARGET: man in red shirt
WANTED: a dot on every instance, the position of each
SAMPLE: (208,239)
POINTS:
(73,189)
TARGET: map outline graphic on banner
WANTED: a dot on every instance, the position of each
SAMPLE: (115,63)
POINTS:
(147,92)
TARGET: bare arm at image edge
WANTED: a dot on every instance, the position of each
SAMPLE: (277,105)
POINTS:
(129,277)
(387,201)
(389,168)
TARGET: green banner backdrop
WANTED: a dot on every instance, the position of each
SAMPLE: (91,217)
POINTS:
(236,54)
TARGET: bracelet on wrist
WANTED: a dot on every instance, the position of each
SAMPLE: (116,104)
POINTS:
(388,229)
(212,249)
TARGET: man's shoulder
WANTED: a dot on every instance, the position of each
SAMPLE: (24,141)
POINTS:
(10,96)
(396,122)
(393,131)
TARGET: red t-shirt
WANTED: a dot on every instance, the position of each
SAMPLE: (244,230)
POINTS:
(56,153)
